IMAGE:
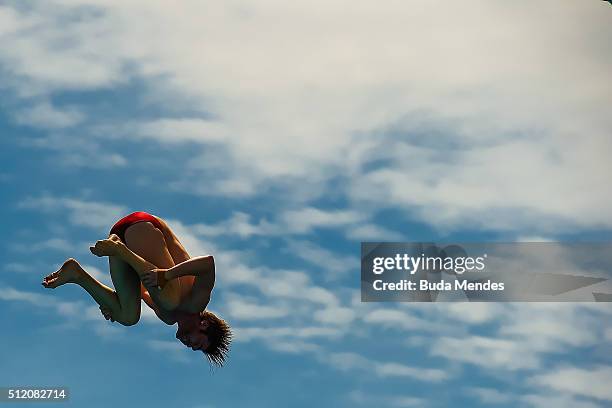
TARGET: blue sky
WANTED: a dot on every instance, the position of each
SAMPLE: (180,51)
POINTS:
(277,136)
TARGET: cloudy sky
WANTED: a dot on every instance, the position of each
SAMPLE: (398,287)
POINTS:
(277,136)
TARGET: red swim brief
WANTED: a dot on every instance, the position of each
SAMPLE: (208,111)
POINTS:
(138,216)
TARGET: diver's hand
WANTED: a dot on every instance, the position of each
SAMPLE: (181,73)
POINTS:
(107,247)
(106,312)
(154,278)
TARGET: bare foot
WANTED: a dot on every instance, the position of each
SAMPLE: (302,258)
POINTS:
(68,273)
(106,247)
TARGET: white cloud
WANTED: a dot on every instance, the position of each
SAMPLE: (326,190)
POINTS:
(608,334)
(331,265)
(335,315)
(71,310)
(48,57)
(69,152)
(17,267)
(238,224)
(180,130)
(373,232)
(300,221)
(529,330)
(401,370)
(593,382)
(55,244)
(492,353)
(106,331)
(372,399)
(292,347)
(240,309)
(280,333)
(349,361)
(45,115)
(471,312)
(99,161)
(284,284)
(552,327)
(288,106)
(12,294)
(82,213)
(304,220)
(404,402)
(401,320)
(489,396)
(557,401)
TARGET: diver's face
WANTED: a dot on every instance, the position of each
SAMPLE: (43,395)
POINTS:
(194,337)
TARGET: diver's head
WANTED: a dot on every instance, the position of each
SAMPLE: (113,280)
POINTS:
(206,332)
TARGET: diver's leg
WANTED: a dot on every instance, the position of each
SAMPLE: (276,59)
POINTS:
(127,288)
(124,303)
(148,242)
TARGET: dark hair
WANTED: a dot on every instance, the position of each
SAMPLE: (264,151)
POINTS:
(219,336)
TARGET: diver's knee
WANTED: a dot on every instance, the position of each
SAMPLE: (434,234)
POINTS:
(130,322)
(130,319)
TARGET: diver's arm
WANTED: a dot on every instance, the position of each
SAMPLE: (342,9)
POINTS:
(202,267)
(199,266)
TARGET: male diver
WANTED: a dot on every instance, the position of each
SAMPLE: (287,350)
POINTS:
(148,262)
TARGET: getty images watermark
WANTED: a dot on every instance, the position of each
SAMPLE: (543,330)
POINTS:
(489,272)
